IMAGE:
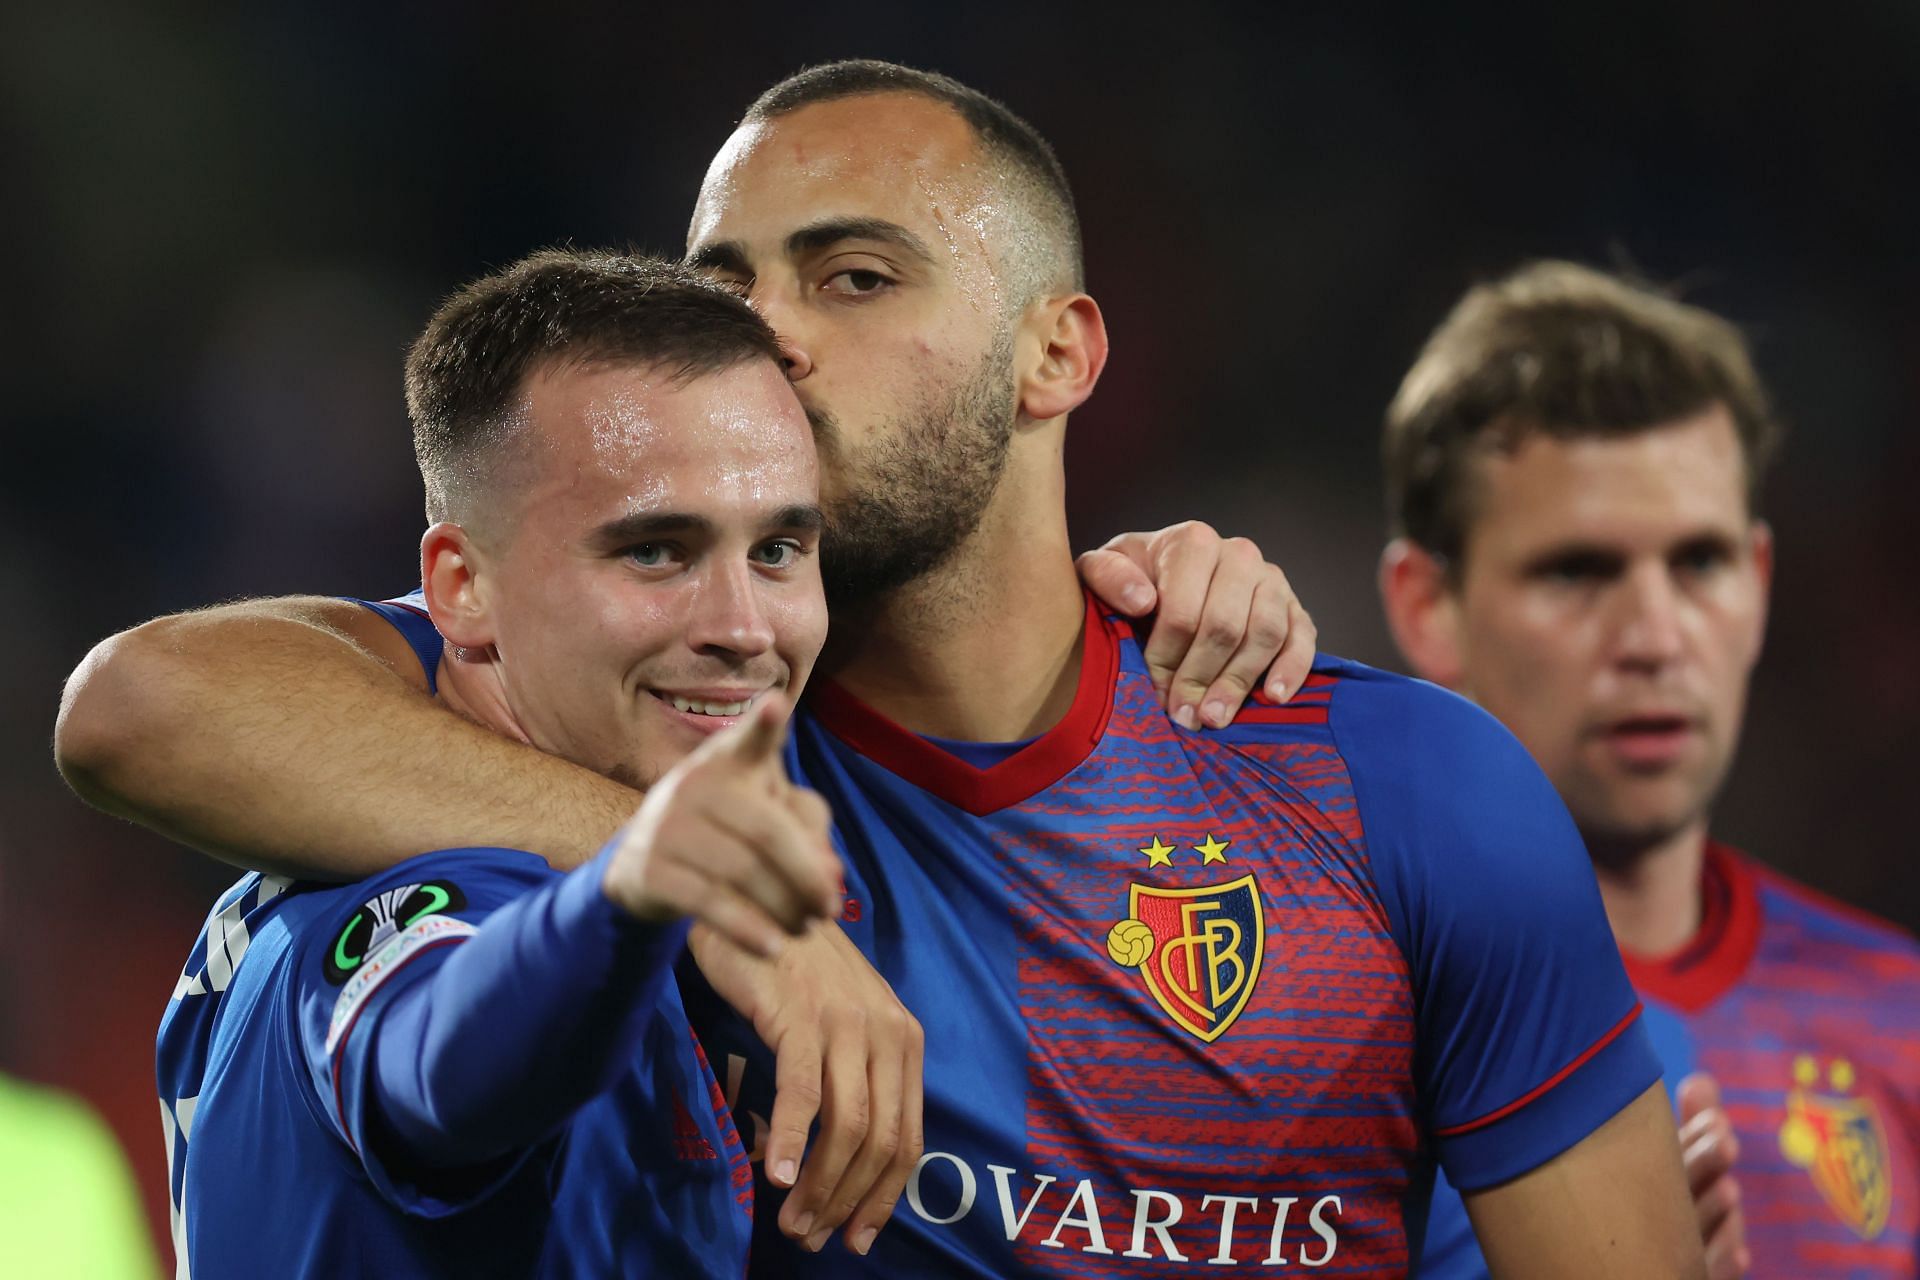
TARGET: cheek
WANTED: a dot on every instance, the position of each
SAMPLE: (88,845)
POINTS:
(1530,664)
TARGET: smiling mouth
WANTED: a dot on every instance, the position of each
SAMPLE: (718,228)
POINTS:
(703,706)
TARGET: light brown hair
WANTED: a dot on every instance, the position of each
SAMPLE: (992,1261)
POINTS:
(1564,350)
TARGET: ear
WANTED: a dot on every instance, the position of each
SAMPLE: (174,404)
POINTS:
(1068,342)
(1423,611)
(1761,541)
(454,575)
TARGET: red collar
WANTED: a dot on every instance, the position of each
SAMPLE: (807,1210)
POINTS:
(1710,962)
(1032,769)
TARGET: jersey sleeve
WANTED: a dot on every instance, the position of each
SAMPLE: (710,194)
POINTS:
(454,1011)
(1528,1034)
(408,615)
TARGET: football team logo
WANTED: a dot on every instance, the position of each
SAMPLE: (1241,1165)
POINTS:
(1838,1140)
(1197,949)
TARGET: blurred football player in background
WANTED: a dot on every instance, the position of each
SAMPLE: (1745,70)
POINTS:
(1572,466)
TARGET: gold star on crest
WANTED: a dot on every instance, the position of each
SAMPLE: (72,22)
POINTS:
(1212,849)
(1159,855)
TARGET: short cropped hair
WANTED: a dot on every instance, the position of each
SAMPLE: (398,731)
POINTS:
(1567,351)
(466,370)
(1045,252)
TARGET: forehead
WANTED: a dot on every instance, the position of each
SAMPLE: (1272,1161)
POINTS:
(899,156)
(635,435)
(1683,476)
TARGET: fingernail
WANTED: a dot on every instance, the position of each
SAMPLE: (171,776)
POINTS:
(1215,714)
(1136,598)
(1184,717)
(802,1225)
(816,1243)
(783,1173)
(1277,690)
(864,1241)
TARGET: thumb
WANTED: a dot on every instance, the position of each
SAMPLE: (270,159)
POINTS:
(1698,1092)
(1118,574)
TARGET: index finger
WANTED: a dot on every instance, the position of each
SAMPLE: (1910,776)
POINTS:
(758,737)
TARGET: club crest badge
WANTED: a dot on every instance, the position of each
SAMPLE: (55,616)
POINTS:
(1197,949)
(1838,1139)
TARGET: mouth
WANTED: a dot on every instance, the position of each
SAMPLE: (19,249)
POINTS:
(1649,741)
(704,706)
(707,710)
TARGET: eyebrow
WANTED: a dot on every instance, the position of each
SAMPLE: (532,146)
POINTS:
(731,255)
(831,231)
(799,517)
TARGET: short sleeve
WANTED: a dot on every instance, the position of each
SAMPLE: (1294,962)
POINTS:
(408,615)
(385,935)
(1528,1034)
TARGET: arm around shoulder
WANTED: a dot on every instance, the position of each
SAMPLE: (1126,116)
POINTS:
(295,736)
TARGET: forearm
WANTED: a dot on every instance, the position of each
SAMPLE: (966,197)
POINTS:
(267,735)
(537,1013)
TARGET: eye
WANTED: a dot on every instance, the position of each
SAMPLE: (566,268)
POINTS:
(855,282)
(1579,569)
(778,554)
(1701,558)
(650,555)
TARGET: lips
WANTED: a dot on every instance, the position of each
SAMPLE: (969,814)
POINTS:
(1650,741)
(707,709)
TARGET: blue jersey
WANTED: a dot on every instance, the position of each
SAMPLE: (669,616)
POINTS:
(468,1065)
(1201,998)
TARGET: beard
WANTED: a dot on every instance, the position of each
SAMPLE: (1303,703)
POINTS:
(919,488)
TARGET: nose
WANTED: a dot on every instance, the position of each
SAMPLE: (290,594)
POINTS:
(727,617)
(1651,632)
(796,352)
(798,360)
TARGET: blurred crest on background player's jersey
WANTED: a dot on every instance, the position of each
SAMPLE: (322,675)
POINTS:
(1839,1140)
(1198,950)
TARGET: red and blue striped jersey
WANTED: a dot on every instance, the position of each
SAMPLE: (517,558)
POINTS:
(1808,1014)
(1202,998)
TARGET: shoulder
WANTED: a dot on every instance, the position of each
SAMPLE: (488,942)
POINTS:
(1415,739)
(1827,925)
(354,920)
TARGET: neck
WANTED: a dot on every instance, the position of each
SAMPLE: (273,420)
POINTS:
(986,647)
(469,682)
(1652,896)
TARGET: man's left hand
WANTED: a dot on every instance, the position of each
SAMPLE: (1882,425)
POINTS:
(1226,620)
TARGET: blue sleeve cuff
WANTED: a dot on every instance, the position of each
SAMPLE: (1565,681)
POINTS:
(1556,1115)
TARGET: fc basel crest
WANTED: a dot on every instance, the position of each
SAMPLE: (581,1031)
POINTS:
(1839,1141)
(1197,949)
(383,916)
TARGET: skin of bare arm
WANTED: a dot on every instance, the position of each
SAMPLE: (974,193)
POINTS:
(1615,1204)
(241,730)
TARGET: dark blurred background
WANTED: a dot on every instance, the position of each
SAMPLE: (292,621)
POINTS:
(227,223)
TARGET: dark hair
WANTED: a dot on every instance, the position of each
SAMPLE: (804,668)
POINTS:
(1564,350)
(1028,169)
(465,371)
